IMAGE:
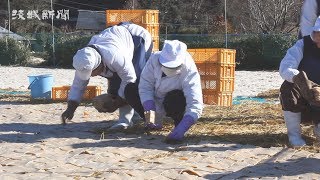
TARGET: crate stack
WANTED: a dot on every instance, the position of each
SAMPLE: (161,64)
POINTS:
(217,70)
(149,19)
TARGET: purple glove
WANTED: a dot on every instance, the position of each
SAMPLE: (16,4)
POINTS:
(149,105)
(151,126)
(177,134)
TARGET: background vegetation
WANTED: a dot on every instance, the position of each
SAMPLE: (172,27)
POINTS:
(260,31)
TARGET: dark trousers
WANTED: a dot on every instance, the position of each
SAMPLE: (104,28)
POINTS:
(131,94)
(175,105)
(291,100)
(114,84)
(174,102)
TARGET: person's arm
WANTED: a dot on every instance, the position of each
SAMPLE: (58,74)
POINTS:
(290,63)
(193,93)
(308,16)
(77,89)
(74,98)
(147,85)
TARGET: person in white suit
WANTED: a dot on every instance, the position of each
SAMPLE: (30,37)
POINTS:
(170,86)
(119,54)
(310,12)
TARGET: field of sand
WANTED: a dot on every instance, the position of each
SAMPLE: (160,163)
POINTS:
(34,144)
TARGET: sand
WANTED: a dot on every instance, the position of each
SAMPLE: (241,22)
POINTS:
(34,144)
(247,83)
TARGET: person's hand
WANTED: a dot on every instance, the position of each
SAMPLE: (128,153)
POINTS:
(152,126)
(304,84)
(69,112)
(150,116)
(309,90)
(67,115)
(316,96)
(177,134)
(150,121)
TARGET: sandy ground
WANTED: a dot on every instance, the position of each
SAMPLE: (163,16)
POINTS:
(247,83)
(34,145)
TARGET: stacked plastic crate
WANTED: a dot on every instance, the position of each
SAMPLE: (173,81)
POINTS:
(217,71)
(149,19)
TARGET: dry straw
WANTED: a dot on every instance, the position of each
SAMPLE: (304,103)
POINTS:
(249,123)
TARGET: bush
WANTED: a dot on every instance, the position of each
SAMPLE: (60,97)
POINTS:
(262,52)
(13,52)
(197,40)
(66,47)
(254,52)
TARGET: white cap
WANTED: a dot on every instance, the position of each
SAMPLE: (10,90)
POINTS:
(85,61)
(173,53)
(316,26)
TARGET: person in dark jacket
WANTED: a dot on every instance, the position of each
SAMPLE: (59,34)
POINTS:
(299,94)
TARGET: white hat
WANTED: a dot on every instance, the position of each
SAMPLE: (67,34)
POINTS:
(316,26)
(173,53)
(85,61)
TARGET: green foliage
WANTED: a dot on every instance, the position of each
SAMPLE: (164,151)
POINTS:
(13,52)
(42,41)
(254,52)
(199,41)
(66,47)
(188,30)
(262,51)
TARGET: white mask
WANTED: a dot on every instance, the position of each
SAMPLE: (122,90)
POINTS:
(171,71)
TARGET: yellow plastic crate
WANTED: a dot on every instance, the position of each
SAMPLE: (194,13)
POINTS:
(222,85)
(217,98)
(152,28)
(61,93)
(216,67)
(155,43)
(140,17)
(214,55)
(216,70)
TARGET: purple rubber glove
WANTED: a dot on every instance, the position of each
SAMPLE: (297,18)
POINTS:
(177,134)
(149,105)
(151,126)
